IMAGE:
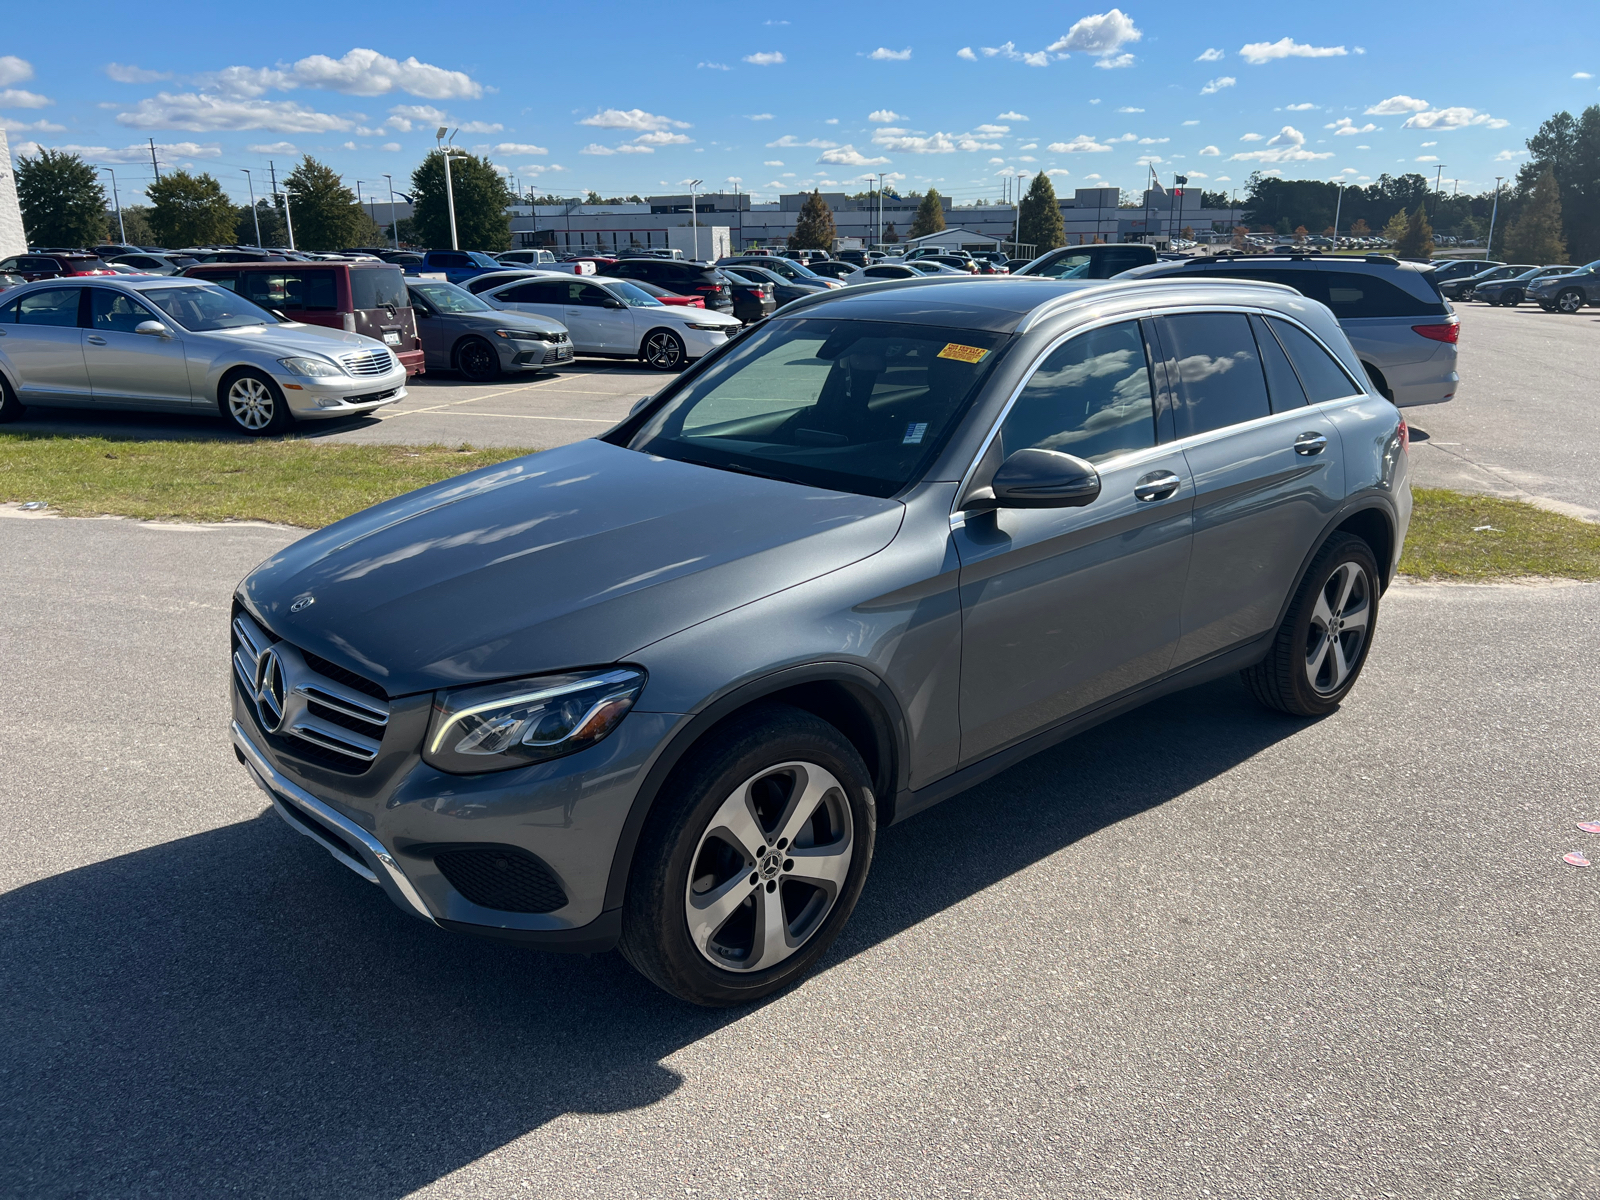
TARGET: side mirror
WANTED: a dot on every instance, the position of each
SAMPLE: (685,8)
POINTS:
(153,328)
(613,304)
(1035,478)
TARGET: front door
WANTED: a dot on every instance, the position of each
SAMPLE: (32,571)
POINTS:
(1268,473)
(44,342)
(128,366)
(609,330)
(1064,608)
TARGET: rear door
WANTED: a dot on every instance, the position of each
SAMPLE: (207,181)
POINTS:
(45,346)
(125,366)
(1268,474)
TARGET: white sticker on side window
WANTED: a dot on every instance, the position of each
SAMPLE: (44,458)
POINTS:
(914,432)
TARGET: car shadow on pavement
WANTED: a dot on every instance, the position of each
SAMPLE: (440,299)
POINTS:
(127,425)
(235,1012)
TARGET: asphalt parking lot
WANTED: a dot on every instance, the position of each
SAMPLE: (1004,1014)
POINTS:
(1203,950)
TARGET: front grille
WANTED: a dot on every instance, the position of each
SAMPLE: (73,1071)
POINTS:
(371,397)
(321,710)
(506,878)
(368,362)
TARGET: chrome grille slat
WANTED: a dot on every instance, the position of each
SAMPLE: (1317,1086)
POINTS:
(367,362)
(288,714)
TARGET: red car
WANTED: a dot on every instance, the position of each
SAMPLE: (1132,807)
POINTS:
(53,266)
(667,297)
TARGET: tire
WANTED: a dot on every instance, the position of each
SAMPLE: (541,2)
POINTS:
(253,404)
(477,361)
(1511,299)
(663,350)
(1302,673)
(736,789)
(1569,301)
(10,407)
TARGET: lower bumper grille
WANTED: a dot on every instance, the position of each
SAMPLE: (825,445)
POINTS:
(506,878)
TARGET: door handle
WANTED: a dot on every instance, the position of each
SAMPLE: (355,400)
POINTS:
(1157,485)
(1310,443)
(94,339)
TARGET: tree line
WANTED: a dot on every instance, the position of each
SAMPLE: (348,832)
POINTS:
(64,204)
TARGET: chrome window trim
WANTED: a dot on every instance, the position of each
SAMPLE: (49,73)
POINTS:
(281,791)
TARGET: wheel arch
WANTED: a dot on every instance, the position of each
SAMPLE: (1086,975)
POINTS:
(849,697)
(1374,525)
(455,347)
(226,375)
(655,329)
(1378,380)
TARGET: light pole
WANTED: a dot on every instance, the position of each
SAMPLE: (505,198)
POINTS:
(1016,237)
(393,227)
(1437,181)
(694,216)
(880,211)
(288,221)
(449,187)
(253,213)
(1338,201)
(1488,246)
(122,230)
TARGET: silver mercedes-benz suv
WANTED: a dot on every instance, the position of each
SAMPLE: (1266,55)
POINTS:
(662,689)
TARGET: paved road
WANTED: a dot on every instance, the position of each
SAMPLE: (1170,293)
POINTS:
(1203,950)
(1526,422)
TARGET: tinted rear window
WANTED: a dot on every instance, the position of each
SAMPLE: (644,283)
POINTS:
(301,290)
(1324,379)
(1219,368)
(378,287)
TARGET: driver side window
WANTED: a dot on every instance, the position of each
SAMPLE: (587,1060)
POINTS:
(1091,397)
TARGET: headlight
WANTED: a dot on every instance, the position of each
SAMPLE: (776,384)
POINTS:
(712,328)
(504,725)
(316,368)
(523,335)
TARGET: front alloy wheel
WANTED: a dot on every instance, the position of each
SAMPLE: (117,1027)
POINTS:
(1570,301)
(255,405)
(1512,298)
(478,361)
(663,350)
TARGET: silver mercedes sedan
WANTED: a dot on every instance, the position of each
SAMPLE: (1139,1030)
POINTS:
(181,345)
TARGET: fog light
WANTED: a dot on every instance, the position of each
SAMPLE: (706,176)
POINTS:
(329,402)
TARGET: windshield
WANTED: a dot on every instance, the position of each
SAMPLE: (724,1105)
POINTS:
(205,308)
(633,297)
(481,260)
(855,406)
(447,297)
(1067,266)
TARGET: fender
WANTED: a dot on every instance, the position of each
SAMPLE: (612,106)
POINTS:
(729,702)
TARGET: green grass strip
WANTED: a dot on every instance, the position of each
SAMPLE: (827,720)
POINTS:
(1470,538)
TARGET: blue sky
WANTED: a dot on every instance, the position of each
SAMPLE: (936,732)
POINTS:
(630,97)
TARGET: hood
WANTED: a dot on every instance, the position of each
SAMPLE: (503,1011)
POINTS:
(296,338)
(504,318)
(700,316)
(575,557)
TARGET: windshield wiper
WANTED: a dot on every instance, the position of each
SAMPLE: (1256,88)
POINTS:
(736,469)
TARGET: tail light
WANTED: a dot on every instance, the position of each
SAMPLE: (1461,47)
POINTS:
(1405,437)
(1439,333)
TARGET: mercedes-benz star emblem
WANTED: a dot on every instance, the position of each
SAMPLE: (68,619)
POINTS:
(302,604)
(269,690)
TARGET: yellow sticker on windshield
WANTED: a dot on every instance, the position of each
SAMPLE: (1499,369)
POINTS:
(966,354)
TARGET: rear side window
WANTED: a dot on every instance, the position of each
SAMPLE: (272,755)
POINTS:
(1219,371)
(223,279)
(301,291)
(1324,378)
(1353,295)
(58,306)
(1283,386)
(378,287)
(551,291)
(1091,397)
(448,259)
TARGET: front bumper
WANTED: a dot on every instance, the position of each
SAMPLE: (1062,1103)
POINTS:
(340,396)
(531,354)
(704,341)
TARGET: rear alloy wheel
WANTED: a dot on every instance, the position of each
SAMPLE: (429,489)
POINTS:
(752,859)
(1323,641)
(10,407)
(663,350)
(477,361)
(254,405)
(1569,301)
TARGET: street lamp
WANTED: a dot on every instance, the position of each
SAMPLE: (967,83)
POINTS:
(1488,246)
(880,211)
(694,216)
(122,230)
(393,227)
(1016,238)
(253,213)
(1338,201)
(288,221)
(449,186)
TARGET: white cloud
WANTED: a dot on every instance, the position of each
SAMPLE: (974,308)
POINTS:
(1287,145)
(596,148)
(1395,105)
(1034,58)
(198,111)
(773,183)
(11,126)
(765,58)
(18,98)
(480,127)
(14,70)
(391,147)
(359,73)
(1191,122)
(893,138)
(1127,137)
(993,161)
(661,137)
(1509,155)
(1216,85)
(1082,144)
(632,118)
(1130,110)
(1345,127)
(849,156)
(1427,158)
(138,154)
(712,66)
(1058,171)
(630,148)
(1026,158)
(991,130)
(1209,151)
(885,116)
(1112,61)
(1250,137)
(1425,145)
(758,116)
(831,121)
(1011,116)
(273,148)
(1095,101)
(1212,55)
(352,146)
(1029,146)
(788,140)
(1582,75)
(773,162)
(1446,119)
(128,73)
(1257,53)
(882,54)
(1299,107)
(519,148)
(403,116)
(966,53)
(1363,147)
(1100,35)
(1153,141)
(1148,160)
